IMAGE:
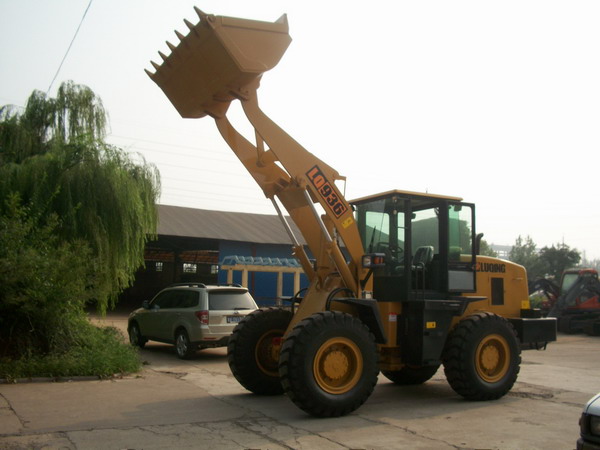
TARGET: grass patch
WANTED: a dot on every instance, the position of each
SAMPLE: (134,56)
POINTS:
(99,352)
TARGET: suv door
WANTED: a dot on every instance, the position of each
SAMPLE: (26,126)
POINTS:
(182,313)
(152,320)
(170,313)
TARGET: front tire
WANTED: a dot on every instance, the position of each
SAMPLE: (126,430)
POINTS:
(328,364)
(135,336)
(482,357)
(253,350)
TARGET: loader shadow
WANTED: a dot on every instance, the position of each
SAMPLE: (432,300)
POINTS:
(387,402)
(164,354)
(435,397)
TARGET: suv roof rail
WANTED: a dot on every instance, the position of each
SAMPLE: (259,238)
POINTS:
(201,285)
(230,284)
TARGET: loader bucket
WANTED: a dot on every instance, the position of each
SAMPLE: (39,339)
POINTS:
(220,59)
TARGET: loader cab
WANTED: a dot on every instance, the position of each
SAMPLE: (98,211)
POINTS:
(428,244)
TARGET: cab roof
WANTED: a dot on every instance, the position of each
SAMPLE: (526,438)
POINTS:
(400,193)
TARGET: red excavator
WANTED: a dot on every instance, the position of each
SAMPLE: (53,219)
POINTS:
(575,302)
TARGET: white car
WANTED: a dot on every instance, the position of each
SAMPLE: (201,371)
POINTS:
(191,316)
(589,425)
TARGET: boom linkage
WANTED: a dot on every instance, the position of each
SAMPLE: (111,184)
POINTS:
(305,180)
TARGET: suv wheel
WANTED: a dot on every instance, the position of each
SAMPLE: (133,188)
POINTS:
(135,336)
(183,346)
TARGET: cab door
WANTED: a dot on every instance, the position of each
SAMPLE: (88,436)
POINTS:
(461,248)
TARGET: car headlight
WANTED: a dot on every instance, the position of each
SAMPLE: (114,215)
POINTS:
(595,425)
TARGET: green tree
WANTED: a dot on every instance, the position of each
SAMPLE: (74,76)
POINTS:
(556,259)
(75,214)
(486,249)
(52,154)
(524,252)
(76,112)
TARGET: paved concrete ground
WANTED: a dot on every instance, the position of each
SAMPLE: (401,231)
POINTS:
(198,404)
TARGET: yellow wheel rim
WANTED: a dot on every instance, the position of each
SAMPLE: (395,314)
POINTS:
(338,365)
(267,354)
(492,358)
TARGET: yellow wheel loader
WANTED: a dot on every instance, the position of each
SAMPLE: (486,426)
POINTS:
(396,282)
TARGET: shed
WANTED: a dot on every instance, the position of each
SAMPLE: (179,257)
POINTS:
(191,244)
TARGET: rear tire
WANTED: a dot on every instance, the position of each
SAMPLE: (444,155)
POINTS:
(482,357)
(184,348)
(328,364)
(253,358)
(411,375)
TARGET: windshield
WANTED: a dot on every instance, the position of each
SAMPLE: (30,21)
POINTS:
(568,281)
(230,300)
(381,225)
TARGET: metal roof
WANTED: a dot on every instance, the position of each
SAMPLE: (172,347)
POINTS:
(405,194)
(223,225)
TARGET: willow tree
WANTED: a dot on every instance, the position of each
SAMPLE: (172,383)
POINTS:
(53,157)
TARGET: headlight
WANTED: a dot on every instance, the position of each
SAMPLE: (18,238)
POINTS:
(372,260)
(595,425)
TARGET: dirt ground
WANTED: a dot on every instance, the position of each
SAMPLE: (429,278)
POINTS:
(198,404)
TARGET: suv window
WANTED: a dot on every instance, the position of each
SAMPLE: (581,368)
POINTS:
(164,300)
(229,300)
(176,298)
(185,299)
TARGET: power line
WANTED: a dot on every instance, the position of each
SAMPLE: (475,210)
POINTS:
(69,48)
(138,149)
(197,169)
(166,144)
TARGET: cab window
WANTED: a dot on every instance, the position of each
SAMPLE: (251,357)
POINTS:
(459,232)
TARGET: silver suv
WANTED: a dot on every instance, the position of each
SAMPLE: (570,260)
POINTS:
(589,425)
(190,316)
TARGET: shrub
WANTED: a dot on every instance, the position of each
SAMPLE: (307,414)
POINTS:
(99,352)
(44,286)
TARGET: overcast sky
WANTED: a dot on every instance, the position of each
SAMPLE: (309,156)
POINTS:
(496,102)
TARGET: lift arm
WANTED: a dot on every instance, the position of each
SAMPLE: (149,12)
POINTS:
(222,59)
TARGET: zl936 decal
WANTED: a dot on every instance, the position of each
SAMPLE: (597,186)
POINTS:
(327,191)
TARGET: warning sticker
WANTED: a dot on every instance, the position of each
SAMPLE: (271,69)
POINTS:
(327,191)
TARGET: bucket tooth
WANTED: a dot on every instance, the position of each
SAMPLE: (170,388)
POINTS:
(189,24)
(150,74)
(179,35)
(163,56)
(171,46)
(201,14)
(282,19)
(156,66)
